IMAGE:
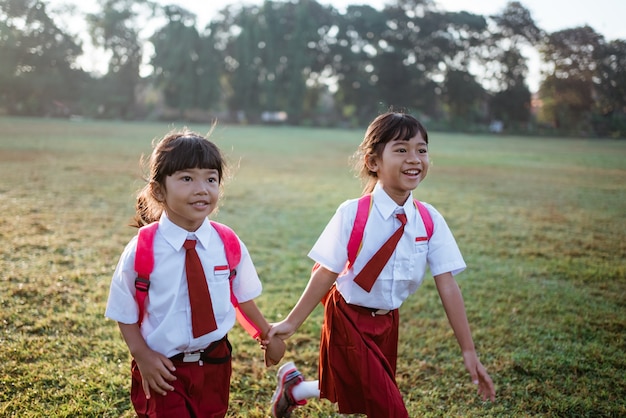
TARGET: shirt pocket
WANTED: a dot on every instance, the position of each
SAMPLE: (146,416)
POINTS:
(411,272)
(419,260)
(219,286)
(220,273)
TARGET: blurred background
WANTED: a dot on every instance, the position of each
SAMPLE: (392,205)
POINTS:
(528,67)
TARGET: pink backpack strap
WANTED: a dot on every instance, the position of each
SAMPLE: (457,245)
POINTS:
(355,241)
(144,263)
(356,236)
(233,257)
(231,246)
(426,218)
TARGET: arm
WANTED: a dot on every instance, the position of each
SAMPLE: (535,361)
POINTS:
(319,284)
(274,347)
(154,367)
(252,311)
(454,306)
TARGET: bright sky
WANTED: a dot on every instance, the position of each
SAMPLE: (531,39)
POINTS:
(604,16)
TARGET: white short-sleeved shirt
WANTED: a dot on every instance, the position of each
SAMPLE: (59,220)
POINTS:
(167,324)
(404,272)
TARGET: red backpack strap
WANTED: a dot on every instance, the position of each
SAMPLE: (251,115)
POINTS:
(144,263)
(355,241)
(233,257)
(356,236)
(426,218)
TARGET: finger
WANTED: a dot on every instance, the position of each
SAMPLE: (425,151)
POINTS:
(487,390)
(169,365)
(166,376)
(146,388)
(166,387)
(270,333)
(474,376)
(161,387)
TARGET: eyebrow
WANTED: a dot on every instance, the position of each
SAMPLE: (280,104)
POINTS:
(404,141)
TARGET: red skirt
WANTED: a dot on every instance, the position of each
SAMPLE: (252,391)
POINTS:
(358,355)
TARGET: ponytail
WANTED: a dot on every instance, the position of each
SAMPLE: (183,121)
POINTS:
(147,208)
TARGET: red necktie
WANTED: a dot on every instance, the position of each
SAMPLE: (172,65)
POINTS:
(368,275)
(202,317)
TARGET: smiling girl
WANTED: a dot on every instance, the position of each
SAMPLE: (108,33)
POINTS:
(181,356)
(359,342)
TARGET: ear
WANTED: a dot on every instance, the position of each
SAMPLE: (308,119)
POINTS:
(157,191)
(371,162)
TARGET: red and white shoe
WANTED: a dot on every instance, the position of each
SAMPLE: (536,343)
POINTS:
(283,402)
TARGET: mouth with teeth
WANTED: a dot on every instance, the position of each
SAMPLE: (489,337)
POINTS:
(200,204)
(413,173)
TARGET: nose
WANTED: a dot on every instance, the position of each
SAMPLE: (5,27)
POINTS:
(413,157)
(202,188)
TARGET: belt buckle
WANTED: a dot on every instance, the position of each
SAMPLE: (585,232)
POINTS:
(380,312)
(192,357)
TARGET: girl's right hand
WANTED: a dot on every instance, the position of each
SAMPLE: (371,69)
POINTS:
(282,330)
(156,371)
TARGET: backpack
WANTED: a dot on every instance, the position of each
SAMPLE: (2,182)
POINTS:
(144,263)
(364,206)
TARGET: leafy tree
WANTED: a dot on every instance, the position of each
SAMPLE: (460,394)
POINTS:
(463,96)
(245,63)
(37,71)
(568,88)
(512,104)
(610,86)
(515,30)
(428,44)
(356,51)
(271,51)
(176,60)
(116,29)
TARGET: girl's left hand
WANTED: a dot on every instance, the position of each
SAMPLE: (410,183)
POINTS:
(274,348)
(479,376)
(274,351)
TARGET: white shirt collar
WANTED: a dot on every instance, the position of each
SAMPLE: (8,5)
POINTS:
(176,236)
(387,207)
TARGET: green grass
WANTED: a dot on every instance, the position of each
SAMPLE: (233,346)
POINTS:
(541,223)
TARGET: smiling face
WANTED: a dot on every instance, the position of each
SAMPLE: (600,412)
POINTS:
(189,196)
(401,166)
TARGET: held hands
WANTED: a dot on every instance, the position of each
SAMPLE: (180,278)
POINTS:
(274,350)
(273,342)
(282,330)
(156,371)
(479,375)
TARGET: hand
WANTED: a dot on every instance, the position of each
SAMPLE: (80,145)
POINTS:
(156,370)
(479,376)
(282,330)
(274,351)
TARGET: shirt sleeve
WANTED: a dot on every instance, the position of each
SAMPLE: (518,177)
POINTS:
(246,284)
(444,254)
(121,304)
(331,248)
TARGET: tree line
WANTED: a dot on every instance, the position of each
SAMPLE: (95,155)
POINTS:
(315,65)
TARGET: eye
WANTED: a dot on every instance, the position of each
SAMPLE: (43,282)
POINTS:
(186,178)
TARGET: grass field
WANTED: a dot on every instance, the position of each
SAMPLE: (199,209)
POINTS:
(541,223)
